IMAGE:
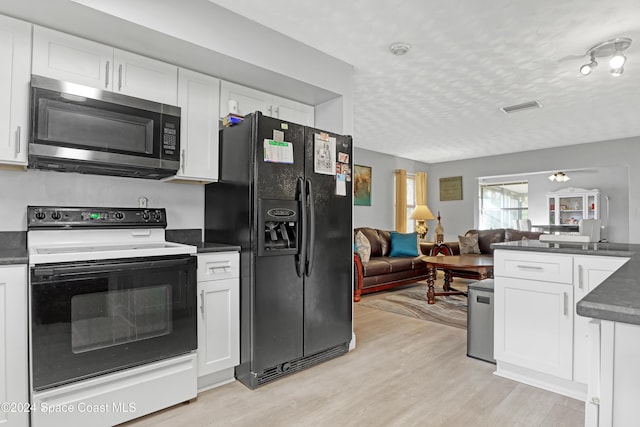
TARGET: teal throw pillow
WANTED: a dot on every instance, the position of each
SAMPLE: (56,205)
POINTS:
(404,244)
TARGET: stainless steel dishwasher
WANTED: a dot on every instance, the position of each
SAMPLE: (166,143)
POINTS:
(480,320)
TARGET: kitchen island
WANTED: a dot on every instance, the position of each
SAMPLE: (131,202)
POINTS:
(568,320)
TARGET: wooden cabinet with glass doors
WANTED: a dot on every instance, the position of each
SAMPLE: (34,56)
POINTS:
(568,206)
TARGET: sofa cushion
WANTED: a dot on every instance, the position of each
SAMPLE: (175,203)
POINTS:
(376,266)
(511,235)
(469,244)
(385,242)
(363,247)
(487,237)
(400,263)
(374,240)
(404,244)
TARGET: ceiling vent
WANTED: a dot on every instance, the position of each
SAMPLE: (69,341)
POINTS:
(520,107)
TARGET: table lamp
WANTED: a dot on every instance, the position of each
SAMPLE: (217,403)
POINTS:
(421,214)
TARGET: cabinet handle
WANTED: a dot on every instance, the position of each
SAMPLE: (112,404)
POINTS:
(18,148)
(106,78)
(119,77)
(202,302)
(270,110)
(278,112)
(530,267)
(580,283)
(566,303)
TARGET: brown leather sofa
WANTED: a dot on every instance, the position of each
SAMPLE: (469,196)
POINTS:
(485,239)
(382,271)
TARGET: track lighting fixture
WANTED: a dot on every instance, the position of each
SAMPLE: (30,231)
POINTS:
(613,48)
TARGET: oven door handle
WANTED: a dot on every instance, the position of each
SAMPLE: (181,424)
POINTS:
(104,267)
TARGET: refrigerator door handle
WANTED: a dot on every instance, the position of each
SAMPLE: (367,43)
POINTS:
(312,230)
(302,227)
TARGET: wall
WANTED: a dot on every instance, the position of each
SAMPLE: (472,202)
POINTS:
(613,182)
(611,166)
(184,202)
(381,212)
(198,35)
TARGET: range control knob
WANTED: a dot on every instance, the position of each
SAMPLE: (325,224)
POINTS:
(55,215)
(157,216)
(40,215)
(119,215)
(145,215)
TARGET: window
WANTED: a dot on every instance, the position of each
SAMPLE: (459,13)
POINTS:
(411,202)
(501,204)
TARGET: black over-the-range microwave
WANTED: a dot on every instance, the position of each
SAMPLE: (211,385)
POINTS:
(76,128)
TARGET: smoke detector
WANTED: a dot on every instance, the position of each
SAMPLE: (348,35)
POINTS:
(399,48)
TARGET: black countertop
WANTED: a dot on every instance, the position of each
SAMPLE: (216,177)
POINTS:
(193,237)
(13,247)
(618,297)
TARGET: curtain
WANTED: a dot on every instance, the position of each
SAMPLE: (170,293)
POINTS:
(421,188)
(401,200)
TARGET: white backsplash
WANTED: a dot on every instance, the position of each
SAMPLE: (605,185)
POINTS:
(184,202)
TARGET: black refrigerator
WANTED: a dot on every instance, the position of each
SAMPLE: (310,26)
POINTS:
(284,196)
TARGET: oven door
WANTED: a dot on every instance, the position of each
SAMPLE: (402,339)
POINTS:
(93,317)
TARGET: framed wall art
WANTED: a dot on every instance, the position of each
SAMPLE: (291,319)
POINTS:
(361,185)
(451,188)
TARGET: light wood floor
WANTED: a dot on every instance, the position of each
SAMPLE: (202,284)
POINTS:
(403,372)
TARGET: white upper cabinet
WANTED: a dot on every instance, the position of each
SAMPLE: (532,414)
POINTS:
(144,77)
(15,70)
(199,101)
(250,100)
(73,59)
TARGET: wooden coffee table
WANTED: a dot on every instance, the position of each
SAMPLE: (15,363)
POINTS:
(481,264)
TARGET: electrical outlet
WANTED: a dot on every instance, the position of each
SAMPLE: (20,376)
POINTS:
(142,201)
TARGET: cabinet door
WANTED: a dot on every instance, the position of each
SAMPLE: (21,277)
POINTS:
(248,100)
(292,111)
(199,99)
(145,78)
(590,271)
(13,343)
(15,73)
(218,325)
(534,325)
(72,59)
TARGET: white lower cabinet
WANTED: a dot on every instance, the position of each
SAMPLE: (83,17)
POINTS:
(589,272)
(219,318)
(14,379)
(538,337)
(535,320)
(614,374)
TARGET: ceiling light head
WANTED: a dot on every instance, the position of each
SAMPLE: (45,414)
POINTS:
(616,72)
(617,60)
(399,48)
(588,68)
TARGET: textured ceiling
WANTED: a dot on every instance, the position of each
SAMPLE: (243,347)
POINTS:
(441,101)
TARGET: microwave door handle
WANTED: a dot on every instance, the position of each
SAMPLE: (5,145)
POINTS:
(18,148)
(106,78)
(120,78)
(183,160)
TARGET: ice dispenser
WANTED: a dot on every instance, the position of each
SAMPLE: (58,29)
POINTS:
(279,220)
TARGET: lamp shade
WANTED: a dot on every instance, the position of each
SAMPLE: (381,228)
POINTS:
(421,212)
